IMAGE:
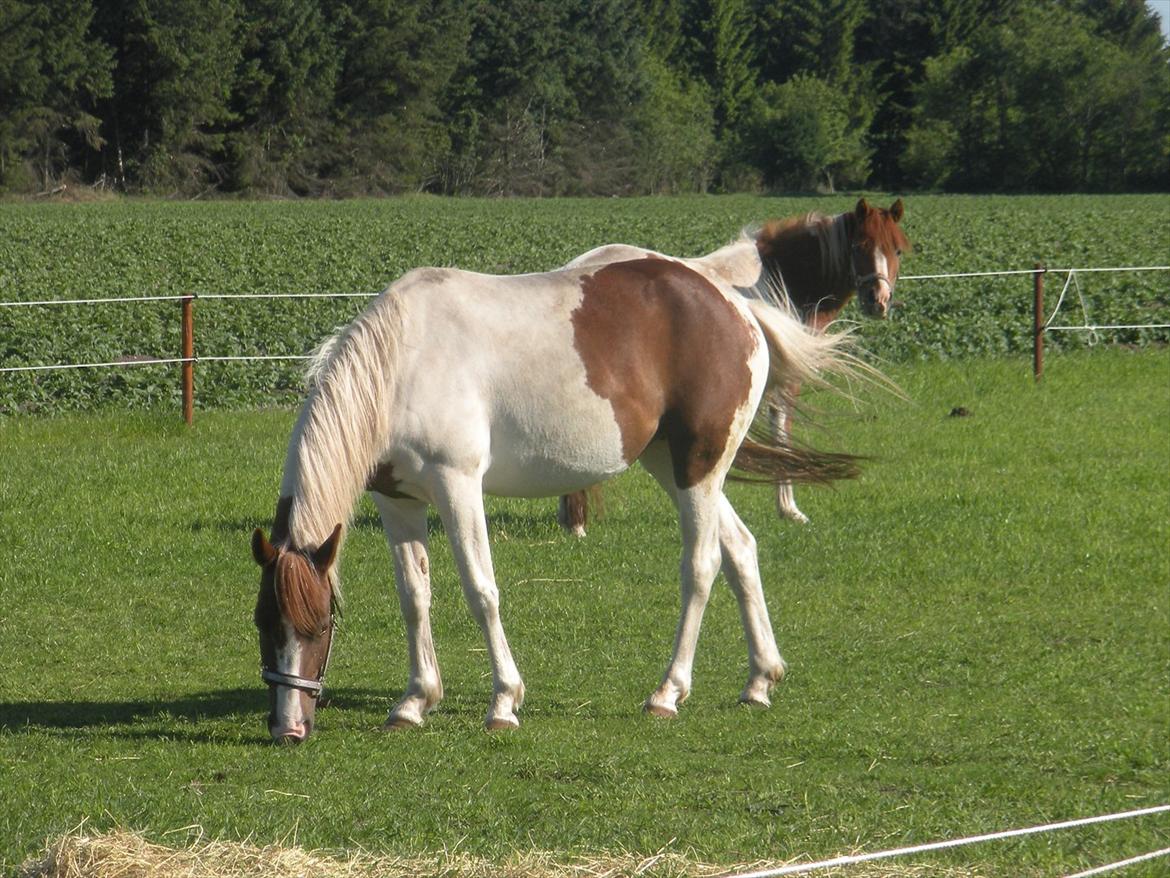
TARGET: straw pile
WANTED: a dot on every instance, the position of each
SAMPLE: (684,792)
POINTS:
(122,854)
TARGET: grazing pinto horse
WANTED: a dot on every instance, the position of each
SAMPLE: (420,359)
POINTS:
(453,384)
(818,262)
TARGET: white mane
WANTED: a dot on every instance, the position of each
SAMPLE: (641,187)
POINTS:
(344,425)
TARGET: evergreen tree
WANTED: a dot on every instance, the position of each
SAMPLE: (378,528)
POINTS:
(51,74)
(582,96)
(1045,101)
(896,41)
(399,56)
(815,37)
(283,96)
(176,68)
(732,61)
(544,101)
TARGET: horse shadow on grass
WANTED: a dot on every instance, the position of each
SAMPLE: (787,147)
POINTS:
(188,718)
(502,524)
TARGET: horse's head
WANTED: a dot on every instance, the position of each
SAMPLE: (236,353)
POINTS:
(877,243)
(295,618)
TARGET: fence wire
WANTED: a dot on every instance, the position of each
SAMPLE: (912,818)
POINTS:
(1049,326)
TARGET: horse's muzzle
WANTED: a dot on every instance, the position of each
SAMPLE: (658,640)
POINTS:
(289,733)
(875,300)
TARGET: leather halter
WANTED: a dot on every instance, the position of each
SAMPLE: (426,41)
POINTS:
(858,279)
(311,687)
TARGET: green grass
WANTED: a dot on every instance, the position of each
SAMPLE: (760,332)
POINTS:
(978,633)
(133,248)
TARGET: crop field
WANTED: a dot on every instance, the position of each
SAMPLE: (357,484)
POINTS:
(105,250)
(978,632)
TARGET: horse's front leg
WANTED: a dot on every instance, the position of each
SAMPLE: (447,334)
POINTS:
(405,523)
(460,503)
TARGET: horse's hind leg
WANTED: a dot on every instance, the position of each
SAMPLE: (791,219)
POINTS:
(780,419)
(460,503)
(572,512)
(742,569)
(405,523)
(698,510)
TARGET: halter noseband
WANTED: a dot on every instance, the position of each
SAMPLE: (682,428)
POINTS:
(876,277)
(311,687)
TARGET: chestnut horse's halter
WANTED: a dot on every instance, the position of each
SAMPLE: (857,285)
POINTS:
(311,687)
(859,279)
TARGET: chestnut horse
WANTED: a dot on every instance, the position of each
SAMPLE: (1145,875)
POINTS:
(451,385)
(820,262)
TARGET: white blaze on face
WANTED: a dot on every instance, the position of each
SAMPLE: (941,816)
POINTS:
(289,716)
(881,287)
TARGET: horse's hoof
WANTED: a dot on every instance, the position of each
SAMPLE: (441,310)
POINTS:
(662,711)
(398,724)
(755,699)
(502,723)
(397,721)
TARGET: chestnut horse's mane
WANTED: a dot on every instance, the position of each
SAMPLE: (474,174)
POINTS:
(832,234)
(780,238)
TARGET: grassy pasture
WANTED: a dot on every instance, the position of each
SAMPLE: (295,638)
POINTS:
(978,632)
(131,248)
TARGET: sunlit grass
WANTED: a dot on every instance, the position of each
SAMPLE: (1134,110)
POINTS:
(978,633)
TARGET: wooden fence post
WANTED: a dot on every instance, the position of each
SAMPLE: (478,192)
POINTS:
(1038,321)
(187,368)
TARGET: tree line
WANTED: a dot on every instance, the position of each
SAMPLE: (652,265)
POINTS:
(564,97)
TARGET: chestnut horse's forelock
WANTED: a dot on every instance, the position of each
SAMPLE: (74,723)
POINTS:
(304,596)
(885,232)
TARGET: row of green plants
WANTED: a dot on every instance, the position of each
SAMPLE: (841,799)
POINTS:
(131,248)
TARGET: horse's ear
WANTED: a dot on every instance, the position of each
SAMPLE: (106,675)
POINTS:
(326,553)
(897,209)
(262,550)
(862,208)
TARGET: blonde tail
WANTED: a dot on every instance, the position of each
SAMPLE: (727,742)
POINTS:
(798,355)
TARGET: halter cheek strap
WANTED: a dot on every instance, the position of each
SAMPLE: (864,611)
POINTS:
(311,687)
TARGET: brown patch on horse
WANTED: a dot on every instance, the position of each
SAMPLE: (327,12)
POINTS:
(670,354)
(382,481)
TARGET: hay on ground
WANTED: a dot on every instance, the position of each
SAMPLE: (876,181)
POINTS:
(123,854)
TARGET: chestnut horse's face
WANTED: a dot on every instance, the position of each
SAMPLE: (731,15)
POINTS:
(294,617)
(877,243)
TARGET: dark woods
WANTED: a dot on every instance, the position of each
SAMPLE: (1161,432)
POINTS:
(564,97)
